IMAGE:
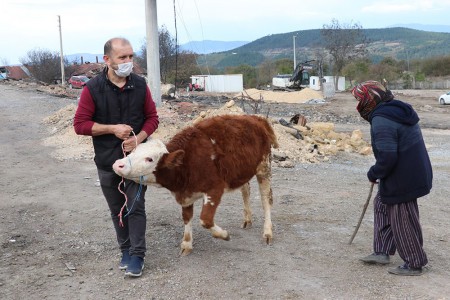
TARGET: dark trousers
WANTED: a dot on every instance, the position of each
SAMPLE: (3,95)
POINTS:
(397,227)
(131,237)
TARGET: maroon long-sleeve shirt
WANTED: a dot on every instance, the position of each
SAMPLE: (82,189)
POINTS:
(83,122)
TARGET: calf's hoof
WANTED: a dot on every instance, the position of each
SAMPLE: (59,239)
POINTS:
(186,248)
(219,233)
(225,237)
(268,238)
(185,252)
(247,224)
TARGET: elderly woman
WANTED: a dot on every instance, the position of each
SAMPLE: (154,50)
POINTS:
(403,172)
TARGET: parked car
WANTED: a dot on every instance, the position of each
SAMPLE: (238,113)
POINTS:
(78,81)
(444,99)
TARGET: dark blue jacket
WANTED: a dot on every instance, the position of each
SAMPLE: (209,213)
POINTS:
(402,165)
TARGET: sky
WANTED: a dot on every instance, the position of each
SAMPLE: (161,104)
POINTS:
(87,24)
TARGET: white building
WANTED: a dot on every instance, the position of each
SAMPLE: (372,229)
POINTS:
(232,83)
(314,82)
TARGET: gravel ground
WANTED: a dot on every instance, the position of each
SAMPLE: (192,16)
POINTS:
(57,240)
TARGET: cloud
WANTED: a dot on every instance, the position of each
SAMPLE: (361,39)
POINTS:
(388,7)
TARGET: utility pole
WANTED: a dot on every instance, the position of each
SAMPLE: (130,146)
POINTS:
(407,58)
(153,72)
(295,61)
(63,76)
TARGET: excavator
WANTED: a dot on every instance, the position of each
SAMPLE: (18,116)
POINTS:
(296,81)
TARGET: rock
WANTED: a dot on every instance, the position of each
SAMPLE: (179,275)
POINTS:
(321,126)
(286,164)
(279,156)
(167,89)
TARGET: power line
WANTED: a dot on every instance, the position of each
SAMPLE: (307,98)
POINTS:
(180,18)
(203,37)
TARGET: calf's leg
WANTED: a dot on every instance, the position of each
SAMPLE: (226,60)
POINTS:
(210,203)
(186,243)
(245,191)
(263,175)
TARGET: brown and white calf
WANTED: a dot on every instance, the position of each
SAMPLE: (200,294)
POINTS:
(217,155)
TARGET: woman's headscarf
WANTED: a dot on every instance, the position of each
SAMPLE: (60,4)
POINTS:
(369,94)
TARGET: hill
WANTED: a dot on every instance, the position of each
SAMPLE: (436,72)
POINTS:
(397,42)
(208,46)
(425,27)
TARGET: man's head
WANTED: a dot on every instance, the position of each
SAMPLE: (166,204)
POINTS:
(369,94)
(118,56)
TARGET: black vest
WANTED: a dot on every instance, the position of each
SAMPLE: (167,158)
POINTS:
(116,106)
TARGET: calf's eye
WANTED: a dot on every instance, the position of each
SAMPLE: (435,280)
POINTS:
(149,159)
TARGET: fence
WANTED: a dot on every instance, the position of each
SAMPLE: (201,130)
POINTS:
(438,84)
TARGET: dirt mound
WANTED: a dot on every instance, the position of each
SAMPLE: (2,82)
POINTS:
(282,96)
(66,143)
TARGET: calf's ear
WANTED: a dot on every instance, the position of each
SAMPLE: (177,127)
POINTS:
(174,159)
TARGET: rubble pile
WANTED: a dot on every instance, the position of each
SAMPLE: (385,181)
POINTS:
(54,90)
(59,91)
(313,143)
(65,142)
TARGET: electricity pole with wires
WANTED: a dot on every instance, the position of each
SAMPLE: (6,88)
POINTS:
(63,79)
(295,60)
(153,71)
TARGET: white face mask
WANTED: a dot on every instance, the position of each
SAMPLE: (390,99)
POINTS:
(124,69)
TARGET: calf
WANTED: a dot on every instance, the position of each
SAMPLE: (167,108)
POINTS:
(217,155)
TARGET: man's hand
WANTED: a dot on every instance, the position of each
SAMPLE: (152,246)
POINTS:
(122,131)
(130,143)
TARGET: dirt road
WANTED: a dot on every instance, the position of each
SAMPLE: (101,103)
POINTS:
(57,240)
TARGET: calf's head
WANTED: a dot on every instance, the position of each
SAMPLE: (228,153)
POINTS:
(141,164)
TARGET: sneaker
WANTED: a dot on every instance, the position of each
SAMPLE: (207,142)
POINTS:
(376,258)
(404,270)
(125,260)
(135,266)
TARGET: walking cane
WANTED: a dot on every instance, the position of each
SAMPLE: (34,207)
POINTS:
(362,214)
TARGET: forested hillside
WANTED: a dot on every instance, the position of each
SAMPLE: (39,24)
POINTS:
(398,43)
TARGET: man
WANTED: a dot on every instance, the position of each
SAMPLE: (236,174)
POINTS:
(403,173)
(117,110)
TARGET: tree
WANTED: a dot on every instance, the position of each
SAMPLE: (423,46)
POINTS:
(4,62)
(168,51)
(43,64)
(174,64)
(436,66)
(265,72)
(141,59)
(357,70)
(388,69)
(185,68)
(248,72)
(344,42)
(321,67)
(284,66)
